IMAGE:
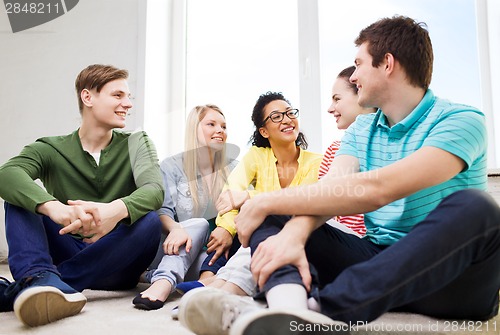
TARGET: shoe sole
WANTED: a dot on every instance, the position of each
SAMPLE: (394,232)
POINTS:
(271,322)
(44,304)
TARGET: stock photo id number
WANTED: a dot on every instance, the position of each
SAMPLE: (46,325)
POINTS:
(26,14)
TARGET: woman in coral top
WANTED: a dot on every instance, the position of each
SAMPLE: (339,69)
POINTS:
(345,109)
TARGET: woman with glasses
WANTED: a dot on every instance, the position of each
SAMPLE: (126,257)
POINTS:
(277,159)
(236,276)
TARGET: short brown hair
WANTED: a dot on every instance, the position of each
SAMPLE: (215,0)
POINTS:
(407,40)
(95,77)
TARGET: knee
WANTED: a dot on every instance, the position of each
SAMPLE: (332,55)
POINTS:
(477,204)
(11,209)
(149,224)
(195,224)
(476,200)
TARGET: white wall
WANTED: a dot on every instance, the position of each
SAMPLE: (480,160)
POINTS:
(38,68)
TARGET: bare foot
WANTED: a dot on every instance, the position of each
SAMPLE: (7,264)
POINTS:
(233,288)
(159,290)
(207,277)
(217,283)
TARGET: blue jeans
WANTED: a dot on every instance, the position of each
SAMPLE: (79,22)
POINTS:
(114,262)
(448,266)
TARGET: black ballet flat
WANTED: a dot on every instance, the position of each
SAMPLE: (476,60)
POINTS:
(144,303)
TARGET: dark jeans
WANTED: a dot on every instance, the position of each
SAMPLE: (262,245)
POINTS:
(114,262)
(448,266)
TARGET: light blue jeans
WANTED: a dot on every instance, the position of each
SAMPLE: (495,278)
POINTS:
(176,268)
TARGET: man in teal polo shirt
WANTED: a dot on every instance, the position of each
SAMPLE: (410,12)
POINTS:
(94,224)
(417,168)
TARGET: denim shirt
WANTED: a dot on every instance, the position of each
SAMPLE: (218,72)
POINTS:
(178,202)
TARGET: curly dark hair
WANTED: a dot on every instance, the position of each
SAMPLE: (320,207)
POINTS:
(258,117)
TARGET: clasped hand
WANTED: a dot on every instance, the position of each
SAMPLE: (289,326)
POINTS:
(92,220)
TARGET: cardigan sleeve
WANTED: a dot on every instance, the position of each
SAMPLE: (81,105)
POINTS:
(239,179)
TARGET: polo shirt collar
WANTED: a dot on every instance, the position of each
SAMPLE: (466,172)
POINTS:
(405,124)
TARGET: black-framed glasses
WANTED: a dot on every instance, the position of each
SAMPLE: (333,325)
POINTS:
(277,117)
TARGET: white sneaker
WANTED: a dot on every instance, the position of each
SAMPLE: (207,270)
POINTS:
(280,321)
(210,311)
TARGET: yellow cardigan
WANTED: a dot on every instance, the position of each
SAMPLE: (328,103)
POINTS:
(258,168)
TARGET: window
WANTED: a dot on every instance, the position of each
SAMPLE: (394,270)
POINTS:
(237,50)
(452,28)
(228,52)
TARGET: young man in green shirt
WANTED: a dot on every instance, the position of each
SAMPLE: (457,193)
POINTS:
(94,225)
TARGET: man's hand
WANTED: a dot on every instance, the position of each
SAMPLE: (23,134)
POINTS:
(176,238)
(250,217)
(287,247)
(220,241)
(106,217)
(74,218)
(229,200)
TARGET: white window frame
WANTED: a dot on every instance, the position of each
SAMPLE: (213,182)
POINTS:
(165,61)
(488,30)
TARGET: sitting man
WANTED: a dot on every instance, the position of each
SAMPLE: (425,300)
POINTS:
(417,168)
(94,225)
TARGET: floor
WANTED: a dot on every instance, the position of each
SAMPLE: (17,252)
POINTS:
(113,313)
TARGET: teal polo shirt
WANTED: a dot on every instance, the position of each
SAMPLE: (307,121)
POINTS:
(456,128)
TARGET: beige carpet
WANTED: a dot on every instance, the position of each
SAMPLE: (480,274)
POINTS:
(105,313)
(113,313)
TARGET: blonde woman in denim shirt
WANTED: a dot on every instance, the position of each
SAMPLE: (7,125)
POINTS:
(201,170)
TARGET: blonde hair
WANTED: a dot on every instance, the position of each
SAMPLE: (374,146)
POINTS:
(190,161)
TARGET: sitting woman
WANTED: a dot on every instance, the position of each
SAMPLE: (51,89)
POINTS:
(277,159)
(193,179)
(345,109)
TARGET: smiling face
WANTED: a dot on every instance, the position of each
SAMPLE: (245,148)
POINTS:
(344,107)
(371,83)
(212,130)
(110,106)
(285,131)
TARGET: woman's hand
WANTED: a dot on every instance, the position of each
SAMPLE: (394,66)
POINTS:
(176,238)
(220,241)
(229,200)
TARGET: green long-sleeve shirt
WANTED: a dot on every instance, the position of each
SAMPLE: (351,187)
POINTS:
(128,170)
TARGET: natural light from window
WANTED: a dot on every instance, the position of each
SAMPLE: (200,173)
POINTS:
(239,49)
